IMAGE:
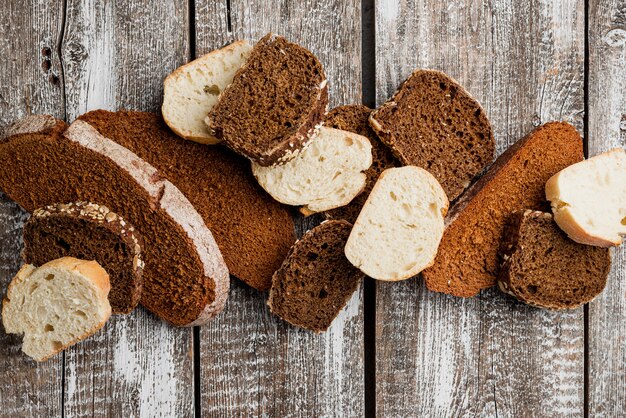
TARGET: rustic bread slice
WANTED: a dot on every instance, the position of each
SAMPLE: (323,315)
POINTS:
(89,231)
(185,278)
(253,231)
(589,199)
(327,175)
(315,281)
(467,260)
(274,105)
(433,123)
(543,267)
(56,305)
(354,118)
(191,91)
(399,228)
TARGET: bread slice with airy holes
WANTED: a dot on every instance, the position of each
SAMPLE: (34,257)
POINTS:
(56,305)
(327,175)
(399,228)
(191,91)
(589,199)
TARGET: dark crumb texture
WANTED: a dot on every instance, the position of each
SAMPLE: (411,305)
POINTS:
(89,232)
(543,267)
(433,123)
(316,280)
(276,100)
(354,118)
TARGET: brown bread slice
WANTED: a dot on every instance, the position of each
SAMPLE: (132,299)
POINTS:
(354,118)
(253,231)
(89,231)
(185,277)
(316,280)
(543,267)
(467,259)
(433,123)
(274,105)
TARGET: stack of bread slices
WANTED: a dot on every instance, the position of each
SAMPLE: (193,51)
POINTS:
(136,208)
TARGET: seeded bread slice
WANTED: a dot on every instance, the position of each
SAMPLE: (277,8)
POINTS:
(89,231)
(185,278)
(589,199)
(399,228)
(56,305)
(467,260)
(433,123)
(274,105)
(315,281)
(191,91)
(543,267)
(354,118)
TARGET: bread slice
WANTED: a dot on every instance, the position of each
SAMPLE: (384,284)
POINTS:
(467,260)
(433,123)
(315,281)
(253,231)
(56,305)
(589,199)
(185,278)
(354,118)
(399,228)
(327,175)
(191,91)
(543,267)
(89,231)
(275,104)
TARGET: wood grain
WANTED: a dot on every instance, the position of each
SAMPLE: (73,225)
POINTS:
(116,55)
(31,83)
(254,364)
(607,130)
(441,356)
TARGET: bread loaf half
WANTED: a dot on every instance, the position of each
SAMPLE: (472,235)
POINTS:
(589,199)
(399,228)
(56,305)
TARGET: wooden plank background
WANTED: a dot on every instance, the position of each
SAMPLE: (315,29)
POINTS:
(397,349)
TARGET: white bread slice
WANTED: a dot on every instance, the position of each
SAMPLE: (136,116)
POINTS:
(193,89)
(326,175)
(589,199)
(400,226)
(56,305)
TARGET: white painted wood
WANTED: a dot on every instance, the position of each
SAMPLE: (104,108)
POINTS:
(441,356)
(607,129)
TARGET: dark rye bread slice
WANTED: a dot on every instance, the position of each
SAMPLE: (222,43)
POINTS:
(316,280)
(541,266)
(253,231)
(274,105)
(185,279)
(89,231)
(433,123)
(354,118)
(467,259)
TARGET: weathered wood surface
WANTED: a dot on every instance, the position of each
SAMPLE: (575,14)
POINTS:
(252,363)
(607,130)
(441,356)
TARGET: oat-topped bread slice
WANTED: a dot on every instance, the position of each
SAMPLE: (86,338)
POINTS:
(316,280)
(275,103)
(191,91)
(89,231)
(185,279)
(253,231)
(433,123)
(354,118)
(56,305)
(543,267)
(467,260)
